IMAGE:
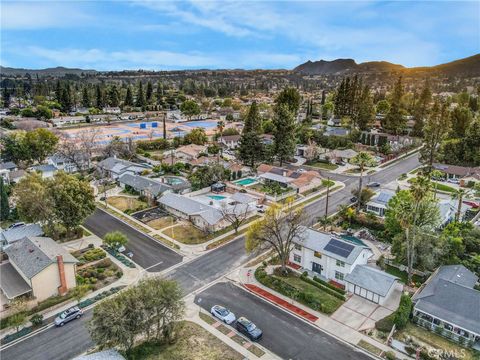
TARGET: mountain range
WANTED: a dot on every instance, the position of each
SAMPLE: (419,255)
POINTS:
(469,66)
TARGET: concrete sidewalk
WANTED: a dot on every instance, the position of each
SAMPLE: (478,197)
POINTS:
(335,328)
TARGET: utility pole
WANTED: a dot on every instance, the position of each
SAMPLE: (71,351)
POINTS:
(164,125)
(326,203)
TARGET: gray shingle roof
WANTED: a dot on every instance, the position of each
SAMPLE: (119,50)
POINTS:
(119,165)
(317,241)
(110,354)
(11,282)
(449,295)
(242,198)
(17,233)
(371,279)
(191,207)
(33,254)
(383,197)
(9,165)
(45,168)
(141,183)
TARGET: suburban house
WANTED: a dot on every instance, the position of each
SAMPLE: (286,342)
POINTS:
(448,209)
(149,188)
(459,172)
(299,180)
(6,168)
(335,156)
(113,167)
(378,203)
(230,141)
(69,165)
(190,152)
(334,122)
(336,131)
(327,256)
(16,175)
(9,236)
(203,212)
(449,305)
(46,170)
(37,266)
(371,283)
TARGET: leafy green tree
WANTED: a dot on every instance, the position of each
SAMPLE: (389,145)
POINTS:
(43,112)
(422,109)
(461,118)
(251,146)
(79,292)
(366,110)
(19,309)
(196,136)
(33,200)
(140,99)
(115,239)
(207,175)
(190,108)
(395,120)
(4,204)
(362,160)
(435,131)
(34,145)
(472,144)
(289,97)
(383,107)
(283,140)
(128,97)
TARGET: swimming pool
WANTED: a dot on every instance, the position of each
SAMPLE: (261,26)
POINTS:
(353,239)
(173,181)
(202,124)
(246,181)
(217,197)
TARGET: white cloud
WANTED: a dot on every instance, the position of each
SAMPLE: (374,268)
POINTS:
(157,60)
(37,15)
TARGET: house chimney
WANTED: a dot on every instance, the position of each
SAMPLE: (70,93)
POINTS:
(62,289)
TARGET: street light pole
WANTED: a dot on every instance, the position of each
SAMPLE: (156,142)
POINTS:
(326,202)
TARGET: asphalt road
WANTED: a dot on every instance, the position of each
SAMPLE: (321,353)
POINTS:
(73,339)
(284,334)
(306,342)
(147,253)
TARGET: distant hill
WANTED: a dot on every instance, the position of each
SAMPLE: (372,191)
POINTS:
(57,71)
(468,66)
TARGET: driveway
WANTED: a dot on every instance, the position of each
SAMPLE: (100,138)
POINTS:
(361,314)
(147,252)
(283,334)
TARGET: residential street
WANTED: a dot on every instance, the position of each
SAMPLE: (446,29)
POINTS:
(284,334)
(305,341)
(148,253)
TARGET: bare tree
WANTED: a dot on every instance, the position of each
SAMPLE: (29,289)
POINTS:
(236,214)
(78,150)
(278,230)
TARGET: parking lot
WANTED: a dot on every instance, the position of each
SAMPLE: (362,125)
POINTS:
(148,253)
(284,334)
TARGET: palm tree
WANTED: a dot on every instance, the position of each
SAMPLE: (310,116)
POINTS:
(362,160)
(325,222)
(220,127)
(459,194)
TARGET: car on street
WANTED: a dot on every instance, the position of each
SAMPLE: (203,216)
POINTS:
(453,181)
(353,199)
(223,314)
(248,328)
(473,204)
(68,315)
(373,184)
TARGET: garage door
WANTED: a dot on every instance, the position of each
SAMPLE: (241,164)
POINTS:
(376,298)
(357,290)
(363,292)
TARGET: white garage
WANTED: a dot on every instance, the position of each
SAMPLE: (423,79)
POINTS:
(370,283)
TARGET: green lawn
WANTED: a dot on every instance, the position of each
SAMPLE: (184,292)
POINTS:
(402,274)
(369,347)
(322,165)
(193,343)
(437,186)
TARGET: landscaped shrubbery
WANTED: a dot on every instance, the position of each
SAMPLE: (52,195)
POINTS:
(328,289)
(120,258)
(99,274)
(90,255)
(399,317)
(313,295)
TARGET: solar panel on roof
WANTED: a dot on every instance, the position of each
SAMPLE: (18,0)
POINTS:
(339,248)
(384,197)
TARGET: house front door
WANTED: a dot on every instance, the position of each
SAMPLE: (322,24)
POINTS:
(317,268)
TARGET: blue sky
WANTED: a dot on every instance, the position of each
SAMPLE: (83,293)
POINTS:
(114,35)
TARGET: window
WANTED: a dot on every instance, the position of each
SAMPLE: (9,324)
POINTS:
(298,247)
(338,275)
(317,254)
(297,258)
(340,263)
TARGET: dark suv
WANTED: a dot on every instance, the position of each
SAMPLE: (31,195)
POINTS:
(68,315)
(248,328)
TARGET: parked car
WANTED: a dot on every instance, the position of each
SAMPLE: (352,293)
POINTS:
(121,248)
(473,204)
(353,199)
(248,328)
(373,184)
(223,314)
(68,315)
(453,181)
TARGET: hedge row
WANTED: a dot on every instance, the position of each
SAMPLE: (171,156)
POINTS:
(290,291)
(399,317)
(323,288)
(330,286)
(120,258)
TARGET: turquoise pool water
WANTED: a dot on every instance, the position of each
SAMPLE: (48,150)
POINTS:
(174,181)
(216,197)
(353,239)
(246,181)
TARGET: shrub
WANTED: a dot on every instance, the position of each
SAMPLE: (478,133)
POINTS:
(410,349)
(328,285)
(385,324)
(94,254)
(390,355)
(37,319)
(327,289)
(402,314)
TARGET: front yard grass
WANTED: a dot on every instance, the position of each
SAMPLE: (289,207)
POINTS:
(369,347)
(322,165)
(160,223)
(392,270)
(186,234)
(124,203)
(434,340)
(193,343)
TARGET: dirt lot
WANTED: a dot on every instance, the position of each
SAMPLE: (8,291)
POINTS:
(123,203)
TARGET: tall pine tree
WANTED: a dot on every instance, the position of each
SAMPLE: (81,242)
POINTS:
(114,96)
(140,100)
(284,134)
(86,98)
(99,98)
(395,120)
(4,205)
(128,97)
(149,92)
(421,110)
(251,147)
